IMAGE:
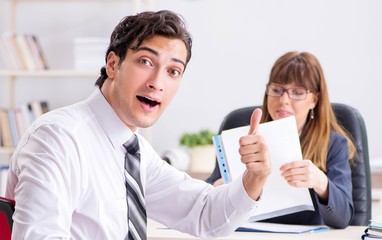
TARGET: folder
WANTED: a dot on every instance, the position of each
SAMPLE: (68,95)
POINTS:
(278,198)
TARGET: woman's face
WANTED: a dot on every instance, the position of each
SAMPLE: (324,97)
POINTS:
(286,100)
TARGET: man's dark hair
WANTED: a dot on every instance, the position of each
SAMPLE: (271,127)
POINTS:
(137,28)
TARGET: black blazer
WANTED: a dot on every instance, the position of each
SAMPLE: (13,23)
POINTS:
(351,119)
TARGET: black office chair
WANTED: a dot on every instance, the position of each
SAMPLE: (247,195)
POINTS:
(352,121)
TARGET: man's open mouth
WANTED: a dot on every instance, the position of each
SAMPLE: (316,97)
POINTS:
(151,103)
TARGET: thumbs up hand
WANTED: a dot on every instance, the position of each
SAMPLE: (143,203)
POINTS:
(254,154)
(255,121)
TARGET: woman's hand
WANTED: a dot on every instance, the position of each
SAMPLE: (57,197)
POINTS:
(306,174)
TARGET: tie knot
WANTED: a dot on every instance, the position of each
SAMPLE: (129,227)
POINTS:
(132,145)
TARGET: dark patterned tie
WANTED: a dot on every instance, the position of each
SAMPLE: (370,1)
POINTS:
(136,216)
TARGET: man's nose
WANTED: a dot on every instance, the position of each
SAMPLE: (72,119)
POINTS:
(156,81)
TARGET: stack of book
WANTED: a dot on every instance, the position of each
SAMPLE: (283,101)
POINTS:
(21,52)
(374,230)
(89,53)
(13,122)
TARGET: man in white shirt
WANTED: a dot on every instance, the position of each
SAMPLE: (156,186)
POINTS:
(67,173)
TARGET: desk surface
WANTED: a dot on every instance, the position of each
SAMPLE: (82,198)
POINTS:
(157,232)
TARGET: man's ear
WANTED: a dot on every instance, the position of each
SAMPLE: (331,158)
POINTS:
(111,64)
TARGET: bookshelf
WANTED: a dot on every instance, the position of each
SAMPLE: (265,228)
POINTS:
(48,73)
(13,7)
(14,75)
(11,76)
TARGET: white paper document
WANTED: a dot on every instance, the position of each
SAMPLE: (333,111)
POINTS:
(283,143)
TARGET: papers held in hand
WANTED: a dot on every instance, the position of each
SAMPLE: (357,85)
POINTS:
(281,136)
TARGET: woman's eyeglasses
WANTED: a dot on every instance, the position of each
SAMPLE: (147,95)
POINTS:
(297,93)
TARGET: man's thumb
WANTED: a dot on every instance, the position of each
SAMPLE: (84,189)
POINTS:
(255,120)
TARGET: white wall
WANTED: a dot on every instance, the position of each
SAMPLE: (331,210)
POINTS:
(235,45)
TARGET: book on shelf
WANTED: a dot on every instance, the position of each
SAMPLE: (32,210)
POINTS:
(3,178)
(14,122)
(20,124)
(13,129)
(6,137)
(22,52)
(11,53)
(37,52)
(6,60)
(283,145)
(88,52)
(26,53)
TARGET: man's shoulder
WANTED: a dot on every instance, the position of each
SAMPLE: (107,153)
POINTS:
(69,117)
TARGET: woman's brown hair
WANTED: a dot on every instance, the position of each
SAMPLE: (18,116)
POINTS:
(303,69)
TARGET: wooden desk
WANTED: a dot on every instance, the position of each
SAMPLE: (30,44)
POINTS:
(157,232)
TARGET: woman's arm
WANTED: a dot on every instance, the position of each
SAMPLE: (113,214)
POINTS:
(339,210)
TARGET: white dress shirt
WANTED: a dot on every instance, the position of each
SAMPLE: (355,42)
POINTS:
(67,178)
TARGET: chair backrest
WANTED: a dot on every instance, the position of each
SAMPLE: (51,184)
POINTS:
(353,122)
(7,207)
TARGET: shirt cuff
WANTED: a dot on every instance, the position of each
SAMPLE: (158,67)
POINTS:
(237,194)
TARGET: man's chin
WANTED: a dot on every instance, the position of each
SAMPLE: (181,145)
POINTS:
(146,123)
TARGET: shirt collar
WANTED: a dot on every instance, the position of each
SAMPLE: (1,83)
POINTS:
(115,129)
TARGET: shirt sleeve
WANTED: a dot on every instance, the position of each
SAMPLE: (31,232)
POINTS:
(338,211)
(193,206)
(215,175)
(39,180)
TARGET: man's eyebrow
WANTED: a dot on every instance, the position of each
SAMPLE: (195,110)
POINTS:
(156,53)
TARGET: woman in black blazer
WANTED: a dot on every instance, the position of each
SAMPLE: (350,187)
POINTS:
(297,87)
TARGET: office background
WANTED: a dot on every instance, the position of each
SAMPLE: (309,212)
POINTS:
(236,43)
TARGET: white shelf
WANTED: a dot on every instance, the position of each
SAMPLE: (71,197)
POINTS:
(66,1)
(5,150)
(48,73)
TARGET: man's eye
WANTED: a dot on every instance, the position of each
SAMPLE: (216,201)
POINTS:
(174,72)
(145,62)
